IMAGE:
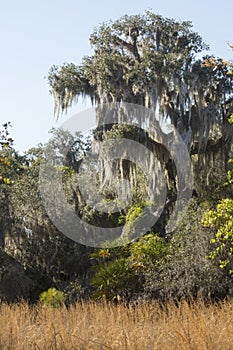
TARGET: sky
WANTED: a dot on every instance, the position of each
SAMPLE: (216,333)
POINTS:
(34,35)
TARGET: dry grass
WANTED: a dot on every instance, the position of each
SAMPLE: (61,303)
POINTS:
(102,326)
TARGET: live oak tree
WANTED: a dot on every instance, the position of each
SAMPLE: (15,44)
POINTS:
(152,61)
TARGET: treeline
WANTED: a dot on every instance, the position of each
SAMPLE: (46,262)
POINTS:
(194,260)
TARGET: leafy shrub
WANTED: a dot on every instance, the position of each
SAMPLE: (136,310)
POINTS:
(115,280)
(186,270)
(119,271)
(221,220)
(135,219)
(52,298)
(148,251)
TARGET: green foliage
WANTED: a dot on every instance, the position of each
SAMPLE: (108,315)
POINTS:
(110,254)
(52,298)
(119,271)
(122,131)
(68,77)
(221,219)
(25,229)
(148,252)
(6,155)
(230,119)
(185,271)
(135,217)
(230,162)
(129,54)
(115,280)
(135,212)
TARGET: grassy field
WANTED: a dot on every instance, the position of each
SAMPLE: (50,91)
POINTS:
(103,326)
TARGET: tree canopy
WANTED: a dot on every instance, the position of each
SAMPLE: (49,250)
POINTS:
(151,61)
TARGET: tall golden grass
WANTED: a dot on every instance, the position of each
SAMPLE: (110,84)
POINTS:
(91,326)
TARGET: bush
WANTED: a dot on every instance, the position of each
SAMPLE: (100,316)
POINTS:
(186,270)
(148,252)
(119,272)
(115,280)
(221,220)
(52,298)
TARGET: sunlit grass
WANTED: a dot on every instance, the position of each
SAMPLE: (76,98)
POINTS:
(105,326)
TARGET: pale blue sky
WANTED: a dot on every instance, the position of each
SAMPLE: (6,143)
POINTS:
(34,35)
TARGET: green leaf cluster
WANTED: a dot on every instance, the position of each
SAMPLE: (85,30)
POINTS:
(52,298)
(221,219)
(119,271)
